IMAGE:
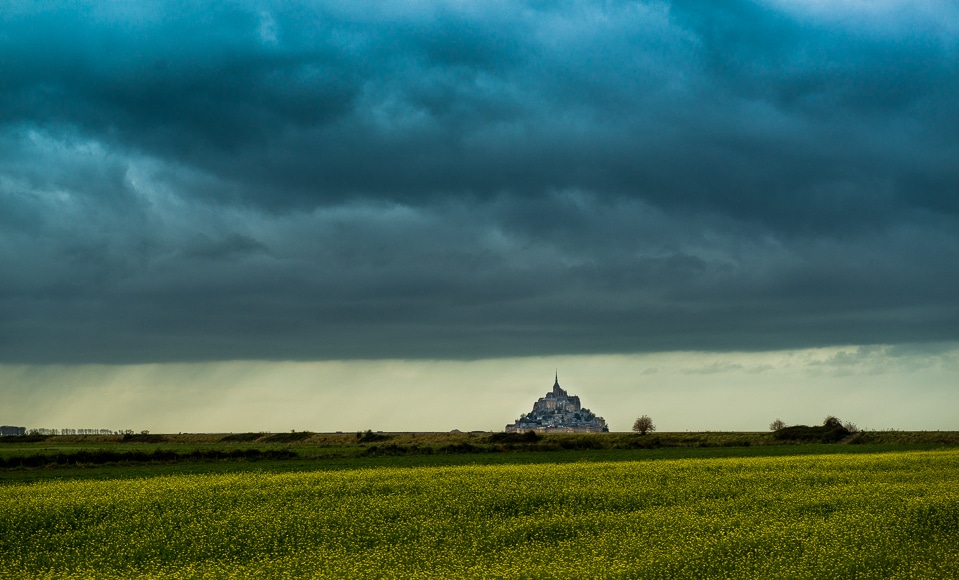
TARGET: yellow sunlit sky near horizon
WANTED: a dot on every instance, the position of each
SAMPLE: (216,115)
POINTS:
(874,387)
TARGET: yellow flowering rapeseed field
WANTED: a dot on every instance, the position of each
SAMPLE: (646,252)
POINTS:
(886,515)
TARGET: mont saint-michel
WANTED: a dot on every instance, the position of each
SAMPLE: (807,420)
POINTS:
(558,412)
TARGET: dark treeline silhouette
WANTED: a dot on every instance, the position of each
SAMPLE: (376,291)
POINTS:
(157,456)
(831,431)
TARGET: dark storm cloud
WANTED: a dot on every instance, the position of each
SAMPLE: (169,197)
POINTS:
(469,180)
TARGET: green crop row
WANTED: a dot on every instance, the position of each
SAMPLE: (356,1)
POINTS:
(890,515)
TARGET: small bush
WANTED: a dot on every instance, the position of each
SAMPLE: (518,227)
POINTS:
(370,437)
(288,437)
(241,437)
(527,437)
(643,443)
(461,448)
(581,443)
(394,450)
(143,438)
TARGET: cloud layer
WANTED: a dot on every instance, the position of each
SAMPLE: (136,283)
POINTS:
(434,180)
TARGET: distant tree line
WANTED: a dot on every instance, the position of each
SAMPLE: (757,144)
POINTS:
(69,431)
(100,457)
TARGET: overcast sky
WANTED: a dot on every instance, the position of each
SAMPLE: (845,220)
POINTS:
(470,181)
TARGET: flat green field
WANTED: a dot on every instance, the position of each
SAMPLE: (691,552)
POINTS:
(853,515)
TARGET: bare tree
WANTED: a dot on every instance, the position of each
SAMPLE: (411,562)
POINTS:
(644,424)
(776,425)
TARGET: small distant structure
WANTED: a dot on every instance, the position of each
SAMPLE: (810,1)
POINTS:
(558,412)
(11,431)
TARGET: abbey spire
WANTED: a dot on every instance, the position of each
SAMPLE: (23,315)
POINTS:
(557,390)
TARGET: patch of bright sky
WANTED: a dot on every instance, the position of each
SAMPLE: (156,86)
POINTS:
(895,17)
(875,387)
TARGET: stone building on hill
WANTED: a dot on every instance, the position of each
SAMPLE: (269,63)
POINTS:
(558,412)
